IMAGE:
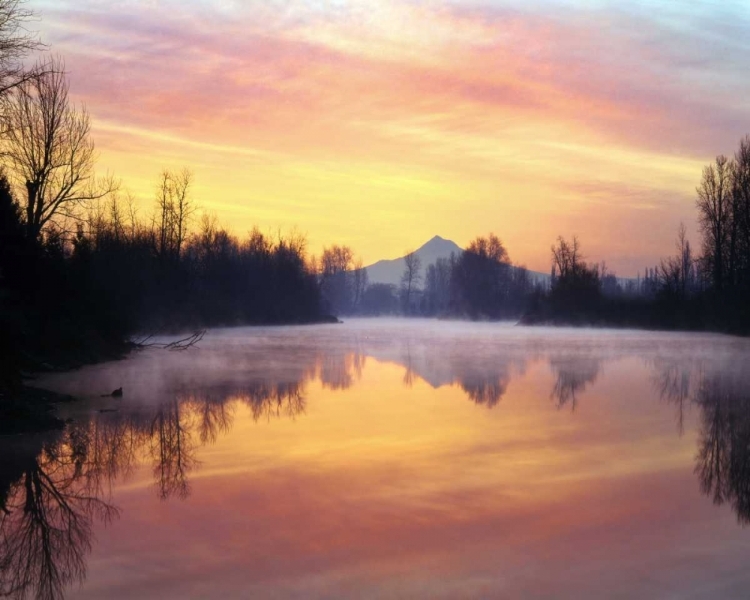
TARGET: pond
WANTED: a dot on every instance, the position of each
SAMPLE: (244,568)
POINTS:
(391,459)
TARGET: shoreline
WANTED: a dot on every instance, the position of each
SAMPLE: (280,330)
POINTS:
(29,409)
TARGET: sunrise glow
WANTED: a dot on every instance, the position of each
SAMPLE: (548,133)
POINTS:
(379,123)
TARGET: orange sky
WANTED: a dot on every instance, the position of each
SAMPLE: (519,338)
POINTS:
(381,123)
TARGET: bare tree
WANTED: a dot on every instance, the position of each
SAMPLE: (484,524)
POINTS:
(566,257)
(49,150)
(675,273)
(175,210)
(335,282)
(335,260)
(184,206)
(437,285)
(685,254)
(741,211)
(411,276)
(16,42)
(360,280)
(714,204)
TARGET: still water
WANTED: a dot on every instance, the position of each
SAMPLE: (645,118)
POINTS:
(391,459)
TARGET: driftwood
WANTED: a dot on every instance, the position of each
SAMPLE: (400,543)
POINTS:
(179,345)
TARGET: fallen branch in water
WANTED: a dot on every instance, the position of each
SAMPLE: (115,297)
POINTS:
(179,345)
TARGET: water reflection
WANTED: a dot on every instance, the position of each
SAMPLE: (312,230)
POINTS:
(49,513)
(674,381)
(572,375)
(172,448)
(55,490)
(723,461)
(339,371)
(486,389)
(722,396)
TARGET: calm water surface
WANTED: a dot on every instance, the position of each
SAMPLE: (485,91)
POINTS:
(392,459)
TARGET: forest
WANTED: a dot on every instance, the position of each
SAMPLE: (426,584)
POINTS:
(703,289)
(85,269)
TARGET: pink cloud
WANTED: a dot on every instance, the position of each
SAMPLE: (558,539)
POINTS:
(420,87)
(185,74)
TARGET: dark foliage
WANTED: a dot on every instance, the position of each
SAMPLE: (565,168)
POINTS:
(214,280)
(484,284)
(379,299)
(47,313)
(67,302)
(708,292)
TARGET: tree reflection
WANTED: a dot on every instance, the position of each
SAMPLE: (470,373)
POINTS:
(48,518)
(486,390)
(723,460)
(53,495)
(409,373)
(273,400)
(339,370)
(674,381)
(572,375)
(172,449)
(722,396)
(181,425)
(213,413)
(485,381)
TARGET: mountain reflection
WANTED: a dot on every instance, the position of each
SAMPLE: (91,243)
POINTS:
(55,489)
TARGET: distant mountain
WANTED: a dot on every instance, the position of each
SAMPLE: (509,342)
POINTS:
(390,271)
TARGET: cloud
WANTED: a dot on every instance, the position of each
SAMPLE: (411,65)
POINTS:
(537,95)
(622,76)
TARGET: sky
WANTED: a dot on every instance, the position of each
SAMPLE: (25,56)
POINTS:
(379,124)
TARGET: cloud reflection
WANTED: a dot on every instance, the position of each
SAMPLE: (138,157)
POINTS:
(56,490)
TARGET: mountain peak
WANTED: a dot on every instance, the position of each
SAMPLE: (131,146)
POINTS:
(437,247)
(439,242)
(389,271)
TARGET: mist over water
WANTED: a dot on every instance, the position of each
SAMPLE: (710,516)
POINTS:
(391,458)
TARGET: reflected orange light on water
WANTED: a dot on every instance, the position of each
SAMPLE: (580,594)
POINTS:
(417,491)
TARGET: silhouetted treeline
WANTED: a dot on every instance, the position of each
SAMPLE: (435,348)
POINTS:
(685,291)
(708,289)
(79,270)
(210,277)
(580,293)
(480,283)
(705,290)
(484,284)
(71,299)
(49,308)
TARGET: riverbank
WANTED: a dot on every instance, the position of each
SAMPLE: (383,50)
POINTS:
(30,410)
(25,408)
